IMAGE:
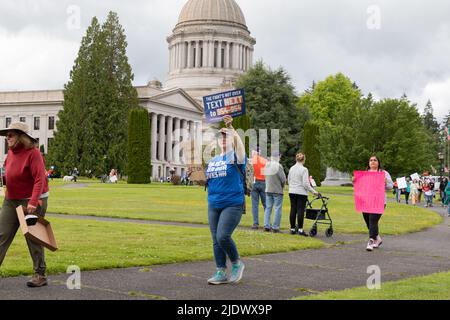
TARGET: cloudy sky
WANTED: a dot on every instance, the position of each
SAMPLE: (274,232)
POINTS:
(389,47)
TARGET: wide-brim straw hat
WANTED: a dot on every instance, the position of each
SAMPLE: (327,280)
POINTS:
(20,127)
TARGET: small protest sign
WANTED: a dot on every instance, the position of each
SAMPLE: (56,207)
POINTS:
(401,183)
(230,103)
(193,160)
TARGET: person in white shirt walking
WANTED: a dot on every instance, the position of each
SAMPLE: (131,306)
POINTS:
(299,187)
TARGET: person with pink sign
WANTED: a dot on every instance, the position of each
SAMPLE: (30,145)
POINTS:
(372,218)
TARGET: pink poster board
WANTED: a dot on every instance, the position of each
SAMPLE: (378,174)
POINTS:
(369,188)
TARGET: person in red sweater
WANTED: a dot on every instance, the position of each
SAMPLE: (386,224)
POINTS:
(26,185)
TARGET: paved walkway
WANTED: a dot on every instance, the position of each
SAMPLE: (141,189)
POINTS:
(271,277)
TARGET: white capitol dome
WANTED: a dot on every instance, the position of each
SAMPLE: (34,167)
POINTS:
(210,47)
(208,10)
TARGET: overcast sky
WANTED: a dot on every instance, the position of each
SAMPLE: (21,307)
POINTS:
(389,47)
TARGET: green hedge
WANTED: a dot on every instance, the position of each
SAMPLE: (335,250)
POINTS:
(139,149)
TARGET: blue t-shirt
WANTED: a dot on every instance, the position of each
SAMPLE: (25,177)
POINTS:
(225,183)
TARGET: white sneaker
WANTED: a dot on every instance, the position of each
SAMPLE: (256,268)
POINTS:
(370,245)
(377,243)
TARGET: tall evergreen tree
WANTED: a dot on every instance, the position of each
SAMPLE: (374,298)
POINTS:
(67,146)
(434,133)
(92,127)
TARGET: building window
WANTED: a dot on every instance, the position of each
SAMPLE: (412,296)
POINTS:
(51,123)
(8,122)
(23,119)
(37,123)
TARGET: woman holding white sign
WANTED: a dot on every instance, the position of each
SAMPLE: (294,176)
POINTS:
(226,199)
(372,219)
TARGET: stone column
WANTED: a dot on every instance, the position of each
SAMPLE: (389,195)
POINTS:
(246,59)
(211,54)
(219,55)
(205,53)
(251,57)
(185,135)
(175,60)
(178,56)
(235,56)
(227,56)
(162,136)
(176,138)
(154,136)
(189,55)
(197,54)
(183,55)
(169,139)
(241,57)
(172,60)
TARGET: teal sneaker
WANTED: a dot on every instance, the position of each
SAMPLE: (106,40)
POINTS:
(219,278)
(237,270)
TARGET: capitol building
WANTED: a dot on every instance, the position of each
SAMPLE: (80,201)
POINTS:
(209,48)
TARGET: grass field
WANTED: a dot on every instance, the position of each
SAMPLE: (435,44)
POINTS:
(165,202)
(95,245)
(432,287)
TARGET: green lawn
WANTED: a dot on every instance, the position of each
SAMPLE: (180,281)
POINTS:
(188,204)
(95,245)
(432,287)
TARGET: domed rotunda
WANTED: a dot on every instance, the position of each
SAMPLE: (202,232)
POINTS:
(209,48)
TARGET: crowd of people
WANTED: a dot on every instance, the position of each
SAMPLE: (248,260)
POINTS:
(426,187)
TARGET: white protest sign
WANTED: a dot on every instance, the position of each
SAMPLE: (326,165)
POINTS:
(401,182)
(415,176)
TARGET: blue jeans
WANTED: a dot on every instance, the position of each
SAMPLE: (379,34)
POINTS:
(443,196)
(429,200)
(222,223)
(258,191)
(273,200)
(398,194)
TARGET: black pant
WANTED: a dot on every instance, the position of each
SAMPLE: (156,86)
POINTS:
(372,224)
(407,197)
(298,205)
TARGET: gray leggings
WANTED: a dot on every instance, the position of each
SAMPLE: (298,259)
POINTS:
(8,229)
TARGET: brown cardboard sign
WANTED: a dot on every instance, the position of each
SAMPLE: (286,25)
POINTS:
(197,174)
(193,160)
(41,233)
